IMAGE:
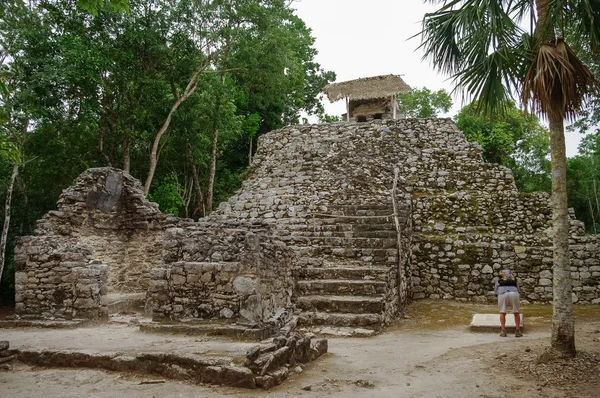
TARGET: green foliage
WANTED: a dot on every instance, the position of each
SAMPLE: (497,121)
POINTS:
(583,185)
(589,117)
(424,103)
(513,139)
(168,193)
(326,118)
(94,6)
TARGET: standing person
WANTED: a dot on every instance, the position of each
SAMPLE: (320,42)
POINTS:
(507,290)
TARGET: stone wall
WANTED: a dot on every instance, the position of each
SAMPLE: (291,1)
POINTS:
(103,238)
(470,221)
(222,270)
(58,277)
(107,238)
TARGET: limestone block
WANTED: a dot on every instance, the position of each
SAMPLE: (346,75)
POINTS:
(545,282)
(245,285)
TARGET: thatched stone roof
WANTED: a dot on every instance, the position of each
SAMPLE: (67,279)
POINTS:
(367,88)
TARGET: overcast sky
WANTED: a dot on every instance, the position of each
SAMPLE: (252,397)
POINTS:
(362,38)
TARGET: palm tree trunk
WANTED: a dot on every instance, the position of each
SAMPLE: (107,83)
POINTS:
(563,322)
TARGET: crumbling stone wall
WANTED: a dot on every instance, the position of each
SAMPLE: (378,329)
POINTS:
(470,221)
(58,277)
(107,238)
(227,271)
(103,238)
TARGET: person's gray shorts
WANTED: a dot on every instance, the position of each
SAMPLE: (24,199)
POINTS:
(508,299)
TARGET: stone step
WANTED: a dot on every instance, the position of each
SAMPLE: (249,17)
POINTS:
(347,211)
(328,261)
(341,234)
(343,304)
(341,226)
(341,287)
(125,302)
(364,254)
(363,207)
(324,219)
(339,319)
(323,241)
(348,272)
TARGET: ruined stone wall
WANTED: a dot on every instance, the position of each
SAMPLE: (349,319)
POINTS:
(107,211)
(103,219)
(468,219)
(107,238)
(58,277)
(222,270)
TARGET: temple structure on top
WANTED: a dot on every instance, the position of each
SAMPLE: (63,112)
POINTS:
(369,98)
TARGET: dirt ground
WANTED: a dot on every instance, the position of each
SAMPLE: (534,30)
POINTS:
(430,354)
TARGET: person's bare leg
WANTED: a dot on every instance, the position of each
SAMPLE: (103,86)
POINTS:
(503,320)
(517,321)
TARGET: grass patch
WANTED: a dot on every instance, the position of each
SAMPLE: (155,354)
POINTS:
(441,314)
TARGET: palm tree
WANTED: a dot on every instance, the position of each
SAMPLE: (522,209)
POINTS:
(483,46)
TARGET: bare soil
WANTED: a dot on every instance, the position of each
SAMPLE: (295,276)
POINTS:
(430,354)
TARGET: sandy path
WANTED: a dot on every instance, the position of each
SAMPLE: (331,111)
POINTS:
(448,363)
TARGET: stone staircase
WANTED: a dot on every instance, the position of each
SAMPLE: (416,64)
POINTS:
(347,267)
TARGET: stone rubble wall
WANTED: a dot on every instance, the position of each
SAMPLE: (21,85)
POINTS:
(58,277)
(107,238)
(222,270)
(103,238)
(470,222)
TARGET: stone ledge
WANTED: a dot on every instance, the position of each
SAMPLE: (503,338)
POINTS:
(43,323)
(210,329)
(263,366)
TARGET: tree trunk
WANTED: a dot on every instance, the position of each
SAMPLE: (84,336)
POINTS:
(250,153)
(6,225)
(563,322)
(189,90)
(213,154)
(196,181)
(127,155)
(212,171)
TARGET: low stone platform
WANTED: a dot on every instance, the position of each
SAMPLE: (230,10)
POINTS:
(198,359)
(209,329)
(43,323)
(491,323)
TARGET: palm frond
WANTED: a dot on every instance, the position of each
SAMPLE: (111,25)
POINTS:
(471,40)
(493,79)
(584,16)
(557,82)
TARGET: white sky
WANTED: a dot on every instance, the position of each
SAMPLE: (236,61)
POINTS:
(362,38)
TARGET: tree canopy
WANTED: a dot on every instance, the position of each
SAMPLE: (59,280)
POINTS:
(90,83)
(422,102)
(513,139)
